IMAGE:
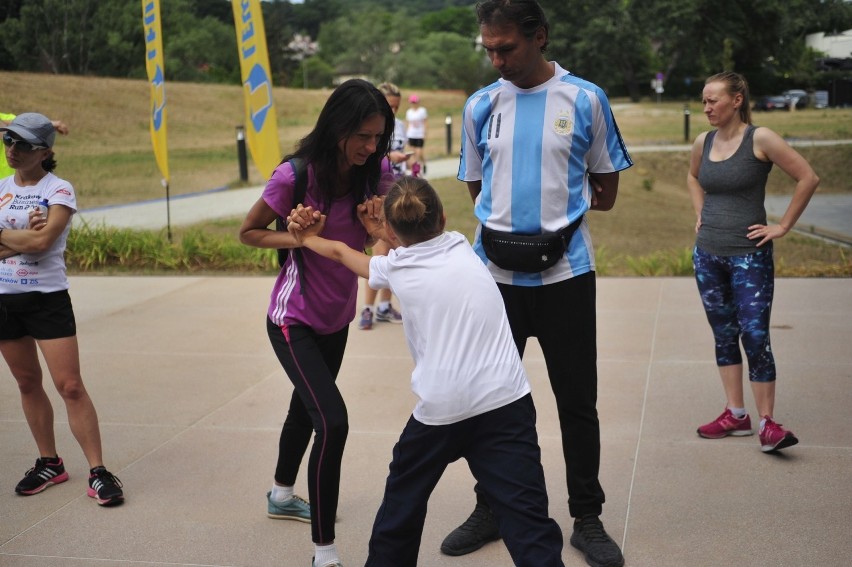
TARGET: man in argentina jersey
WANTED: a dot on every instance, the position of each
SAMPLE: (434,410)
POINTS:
(540,148)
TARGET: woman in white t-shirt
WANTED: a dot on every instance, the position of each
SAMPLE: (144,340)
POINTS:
(473,395)
(415,118)
(35,308)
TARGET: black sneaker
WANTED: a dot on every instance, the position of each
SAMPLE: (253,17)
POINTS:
(590,537)
(476,531)
(46,472)
(105,487)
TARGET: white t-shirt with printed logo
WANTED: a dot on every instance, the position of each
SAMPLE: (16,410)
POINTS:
(45,271)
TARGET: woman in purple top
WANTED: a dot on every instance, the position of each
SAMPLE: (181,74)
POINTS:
(309,312)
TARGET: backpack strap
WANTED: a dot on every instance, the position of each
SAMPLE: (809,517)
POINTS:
(300,170)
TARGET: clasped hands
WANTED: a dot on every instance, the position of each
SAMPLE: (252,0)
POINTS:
(303,222)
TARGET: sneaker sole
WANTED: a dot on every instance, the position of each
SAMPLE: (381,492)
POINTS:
(737,433)
(115,501)
(591,562)
(465,550)
(55,480)
(389,321)
(283,517)
(788,441)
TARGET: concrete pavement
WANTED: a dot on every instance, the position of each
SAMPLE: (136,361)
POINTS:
(191,400)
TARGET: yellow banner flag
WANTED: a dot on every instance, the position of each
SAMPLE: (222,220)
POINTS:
(154,64)
(261,123)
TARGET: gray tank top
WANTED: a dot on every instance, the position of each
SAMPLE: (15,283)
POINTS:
(734,193)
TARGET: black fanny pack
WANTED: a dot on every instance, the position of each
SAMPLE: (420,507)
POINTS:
(531,253)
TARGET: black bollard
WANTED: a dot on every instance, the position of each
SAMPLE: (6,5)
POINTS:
(241,153)
(686,123)
(449,122)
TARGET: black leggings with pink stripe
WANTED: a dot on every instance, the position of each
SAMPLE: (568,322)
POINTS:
(312,362)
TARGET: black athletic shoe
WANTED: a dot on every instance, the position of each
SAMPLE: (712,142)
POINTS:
(476,531)
(590,537)
(46,472)
(105,487)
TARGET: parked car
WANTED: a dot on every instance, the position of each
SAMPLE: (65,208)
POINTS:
(821,99)
(796,97)
(768,103)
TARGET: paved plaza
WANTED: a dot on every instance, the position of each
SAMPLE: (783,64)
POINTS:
(191,400)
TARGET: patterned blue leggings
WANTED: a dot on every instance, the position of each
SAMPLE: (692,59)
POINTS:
(737,294)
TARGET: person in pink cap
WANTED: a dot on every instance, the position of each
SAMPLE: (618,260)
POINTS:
(415,120)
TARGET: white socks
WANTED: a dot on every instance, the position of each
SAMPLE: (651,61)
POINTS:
(281,493)
(739,413)
(384,305)
(325,555)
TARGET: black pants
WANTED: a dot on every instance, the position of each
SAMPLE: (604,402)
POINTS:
(501,449)
(312,362)
(562,316)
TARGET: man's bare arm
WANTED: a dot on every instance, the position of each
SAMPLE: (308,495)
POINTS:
(605,187)
(475,188)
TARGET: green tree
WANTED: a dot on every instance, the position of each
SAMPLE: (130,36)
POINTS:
(197,50)
(363,43)
(106,37)
(602,41)
(310,16)
(443,60)
(56,36)
(763,40)
(313,72)
(122,43)
(457,20)
(618,44)
(279,20)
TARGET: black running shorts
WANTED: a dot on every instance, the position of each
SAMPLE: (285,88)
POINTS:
(37,315)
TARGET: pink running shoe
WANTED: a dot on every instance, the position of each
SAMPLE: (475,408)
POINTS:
(726,424)
(774,437)
(46,472)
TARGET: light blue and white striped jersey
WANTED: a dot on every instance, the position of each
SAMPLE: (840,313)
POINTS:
(533,150)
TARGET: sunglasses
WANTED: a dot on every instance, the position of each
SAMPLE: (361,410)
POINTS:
(20,145)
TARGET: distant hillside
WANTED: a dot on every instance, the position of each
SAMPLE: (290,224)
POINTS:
(108,153)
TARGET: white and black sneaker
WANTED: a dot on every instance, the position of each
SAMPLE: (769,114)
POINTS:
(105,487)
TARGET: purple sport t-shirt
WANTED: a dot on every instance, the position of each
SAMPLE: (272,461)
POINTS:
(327,304)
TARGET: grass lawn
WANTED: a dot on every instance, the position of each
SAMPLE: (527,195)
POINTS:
(108,158)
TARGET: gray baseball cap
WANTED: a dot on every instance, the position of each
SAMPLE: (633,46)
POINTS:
(33,128)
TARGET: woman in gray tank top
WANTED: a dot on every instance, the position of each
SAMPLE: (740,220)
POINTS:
(733,260)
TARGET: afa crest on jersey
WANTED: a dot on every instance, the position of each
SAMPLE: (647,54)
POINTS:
(563,124)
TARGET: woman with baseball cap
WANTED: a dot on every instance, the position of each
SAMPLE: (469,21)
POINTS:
(35,308)
(6,119)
